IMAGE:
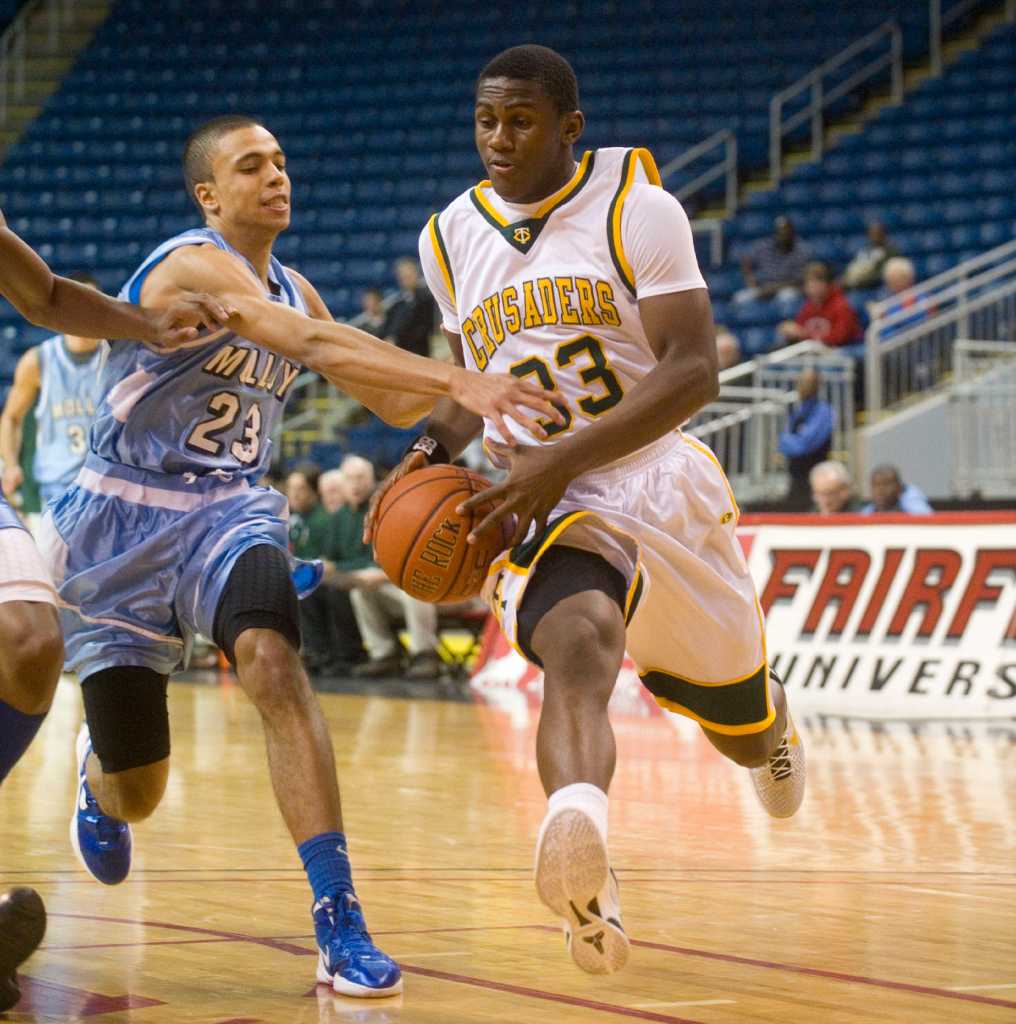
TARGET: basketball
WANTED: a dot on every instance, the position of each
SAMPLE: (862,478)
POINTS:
(420,540)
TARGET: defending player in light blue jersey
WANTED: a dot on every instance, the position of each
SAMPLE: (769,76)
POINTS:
(31,649)
(60,378)
(165,533)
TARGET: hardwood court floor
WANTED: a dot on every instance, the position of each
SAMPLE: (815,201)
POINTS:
(892,897)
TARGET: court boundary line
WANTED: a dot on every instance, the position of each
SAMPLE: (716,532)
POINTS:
(279,943)
(542,994)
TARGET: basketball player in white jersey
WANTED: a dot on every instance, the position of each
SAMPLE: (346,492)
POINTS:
(582,275)
(31,648)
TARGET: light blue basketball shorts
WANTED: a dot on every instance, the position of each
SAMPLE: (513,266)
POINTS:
(140,560)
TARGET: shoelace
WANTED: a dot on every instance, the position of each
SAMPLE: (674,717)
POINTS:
(353,928)
(780,765)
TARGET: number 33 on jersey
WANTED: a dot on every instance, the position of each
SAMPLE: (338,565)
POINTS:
(549,291)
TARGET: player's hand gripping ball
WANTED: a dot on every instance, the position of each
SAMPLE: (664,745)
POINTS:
(420,540)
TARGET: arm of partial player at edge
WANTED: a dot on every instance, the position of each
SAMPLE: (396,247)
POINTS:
(680,330)
(22,396)
(60,305)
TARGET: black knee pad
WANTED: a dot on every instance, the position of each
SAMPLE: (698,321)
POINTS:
(127,717)
(560,573)
(259,595)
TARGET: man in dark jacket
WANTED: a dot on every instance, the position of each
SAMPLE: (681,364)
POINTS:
(410,320)
(806,441)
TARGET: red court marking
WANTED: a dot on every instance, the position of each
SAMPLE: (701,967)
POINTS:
(818,972)
(550,997)
(283,947)
(62,1001)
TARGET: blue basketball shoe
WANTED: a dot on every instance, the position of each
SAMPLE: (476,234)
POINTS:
(307,574)
(103,844)
(348,959)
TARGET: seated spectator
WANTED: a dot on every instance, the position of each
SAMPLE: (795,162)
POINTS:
(308,521)
(865,269)
(728,348)
(411,317)
(832,489)
(806,441)
(377,603)
(332,489)
(328,647)
(373,318)
(898,277)
(775,266)
(826,315)
(890,494)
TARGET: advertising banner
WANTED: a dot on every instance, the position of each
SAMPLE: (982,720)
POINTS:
(880,617)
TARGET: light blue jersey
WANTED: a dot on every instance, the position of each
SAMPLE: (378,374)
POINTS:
(143,544)
(207,408)
(68,397)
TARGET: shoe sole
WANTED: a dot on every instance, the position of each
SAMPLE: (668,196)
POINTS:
(571,870)
(349,988)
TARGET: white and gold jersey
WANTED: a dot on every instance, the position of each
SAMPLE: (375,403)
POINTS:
(549,291)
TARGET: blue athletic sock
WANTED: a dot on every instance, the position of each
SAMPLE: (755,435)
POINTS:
(327,864)
(17,730)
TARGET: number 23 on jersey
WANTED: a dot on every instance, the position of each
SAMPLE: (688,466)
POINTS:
(224,408)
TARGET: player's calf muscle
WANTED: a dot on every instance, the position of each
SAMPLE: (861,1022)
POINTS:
(33,656)
(134,794)
(582,634)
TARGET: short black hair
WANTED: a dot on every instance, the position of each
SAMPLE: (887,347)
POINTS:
(310,471)
(199,149)
(533,63)
(887,470)
(84,277)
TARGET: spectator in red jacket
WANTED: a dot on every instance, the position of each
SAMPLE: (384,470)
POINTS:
(826,315)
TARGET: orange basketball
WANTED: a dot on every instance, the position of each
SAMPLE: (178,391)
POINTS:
(420,540)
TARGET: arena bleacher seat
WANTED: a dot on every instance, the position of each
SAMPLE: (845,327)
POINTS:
(937,170)
(374,110)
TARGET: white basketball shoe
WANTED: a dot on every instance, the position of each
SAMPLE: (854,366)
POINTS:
(574,880)
(779,783)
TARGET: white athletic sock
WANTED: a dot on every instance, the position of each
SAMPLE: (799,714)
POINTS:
(580,796)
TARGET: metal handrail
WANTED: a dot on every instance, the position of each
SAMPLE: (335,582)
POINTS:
(960,314)
(961,271)
(59,15)
(939,20)
(726,168)
(821,97)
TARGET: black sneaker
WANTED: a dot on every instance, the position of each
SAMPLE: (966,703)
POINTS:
(378,668)
(425,665)
(22,926)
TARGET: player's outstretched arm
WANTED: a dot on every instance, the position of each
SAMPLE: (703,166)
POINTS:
(20,399)
(679,327)
(340,353)
(51,301)
(400,408)
(450,425)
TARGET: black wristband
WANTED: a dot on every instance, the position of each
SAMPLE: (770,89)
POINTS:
(431,447)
